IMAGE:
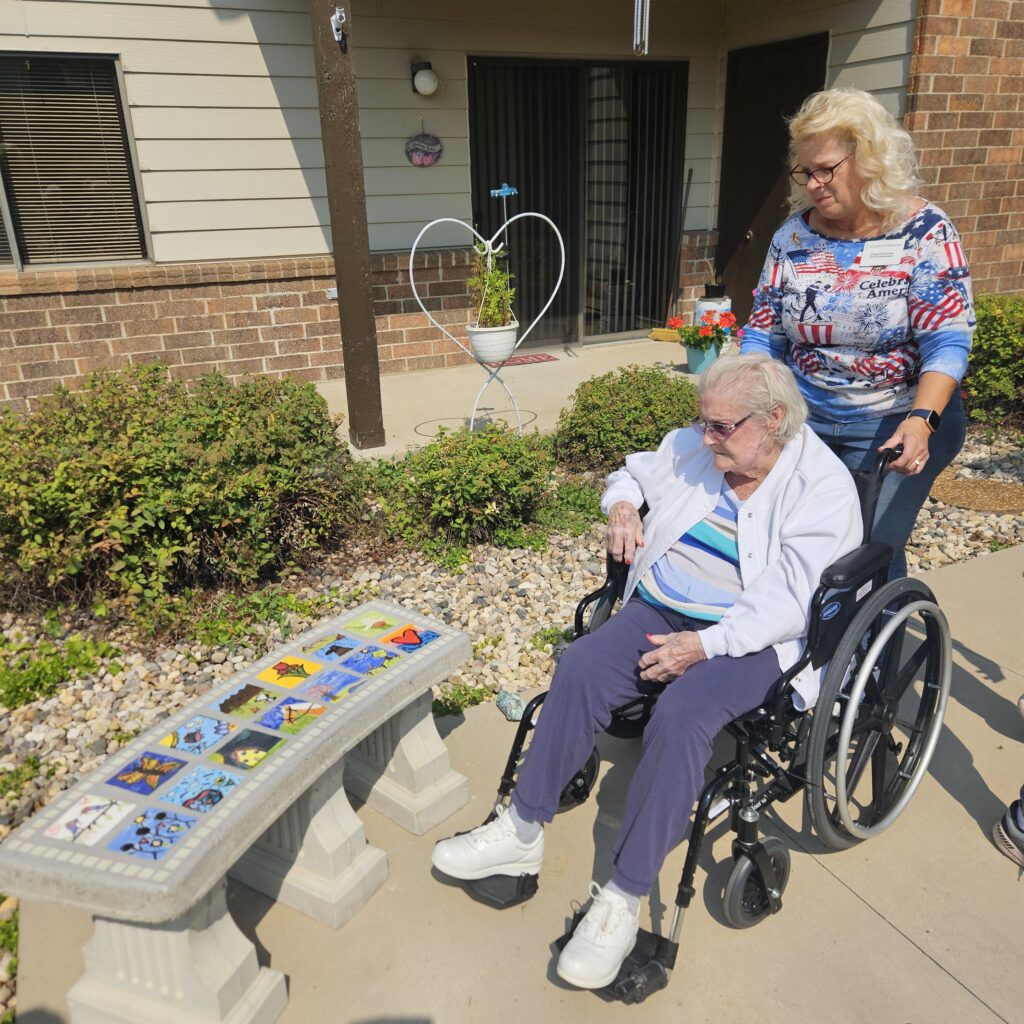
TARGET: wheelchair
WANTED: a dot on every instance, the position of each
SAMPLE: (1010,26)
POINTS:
(858,755)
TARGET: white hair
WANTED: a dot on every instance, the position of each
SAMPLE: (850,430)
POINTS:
(761,384)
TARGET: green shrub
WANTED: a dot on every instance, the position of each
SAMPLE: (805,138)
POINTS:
(571,507)
(135,485)
(14,781)
(628,410)
(465,488)
(31,670)
(994,385)
(456,697)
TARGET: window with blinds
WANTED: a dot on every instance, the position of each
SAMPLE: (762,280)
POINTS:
(65,163)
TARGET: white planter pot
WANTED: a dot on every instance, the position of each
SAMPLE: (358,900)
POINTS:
(493,344)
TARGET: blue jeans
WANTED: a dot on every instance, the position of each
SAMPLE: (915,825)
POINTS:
(901,496)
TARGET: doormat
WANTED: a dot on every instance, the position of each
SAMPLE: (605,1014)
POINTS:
(539,357)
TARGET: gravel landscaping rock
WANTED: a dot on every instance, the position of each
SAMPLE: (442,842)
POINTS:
(502,600)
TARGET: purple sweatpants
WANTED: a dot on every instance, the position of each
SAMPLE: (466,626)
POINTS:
(599,672)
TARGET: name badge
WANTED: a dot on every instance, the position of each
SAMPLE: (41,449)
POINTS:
(881,252)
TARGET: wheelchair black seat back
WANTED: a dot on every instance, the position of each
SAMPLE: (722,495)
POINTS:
(858,755)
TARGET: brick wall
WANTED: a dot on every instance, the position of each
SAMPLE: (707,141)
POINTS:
(268,317)
(965,110)
(696,247)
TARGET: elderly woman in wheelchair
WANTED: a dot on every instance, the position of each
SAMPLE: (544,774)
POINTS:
(746,509)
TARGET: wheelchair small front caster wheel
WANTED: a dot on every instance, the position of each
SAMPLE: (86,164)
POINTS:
(746,902)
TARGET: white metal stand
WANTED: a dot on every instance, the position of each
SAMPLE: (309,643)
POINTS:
(491,248)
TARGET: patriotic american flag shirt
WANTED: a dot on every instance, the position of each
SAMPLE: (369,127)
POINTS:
(858,336)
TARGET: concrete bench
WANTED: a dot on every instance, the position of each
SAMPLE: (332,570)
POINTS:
(246,781)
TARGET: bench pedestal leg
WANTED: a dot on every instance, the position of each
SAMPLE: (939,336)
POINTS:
(402,770)
(198,969)
(315,857)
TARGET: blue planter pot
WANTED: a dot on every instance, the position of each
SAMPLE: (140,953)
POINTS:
(697,361)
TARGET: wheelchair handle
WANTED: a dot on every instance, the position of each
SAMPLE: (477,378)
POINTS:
(870,485)
(885,456)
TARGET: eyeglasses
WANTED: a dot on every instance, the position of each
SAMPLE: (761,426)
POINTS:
(722,431)
(823,175)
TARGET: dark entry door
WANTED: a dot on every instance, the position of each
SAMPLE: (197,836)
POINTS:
(764,86)
(598,148)
(524,129)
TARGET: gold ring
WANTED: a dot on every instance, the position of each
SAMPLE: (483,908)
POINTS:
(917,463)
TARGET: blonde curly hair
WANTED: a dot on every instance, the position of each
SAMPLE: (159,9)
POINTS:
(885,154)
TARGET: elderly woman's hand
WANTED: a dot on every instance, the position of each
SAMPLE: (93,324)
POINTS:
(673,654)
(624,532)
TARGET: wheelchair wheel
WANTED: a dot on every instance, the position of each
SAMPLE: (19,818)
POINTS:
(879,714)
(746,902)
(580,785)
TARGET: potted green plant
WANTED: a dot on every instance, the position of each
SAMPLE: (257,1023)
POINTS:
(493,336)
(704,339)
(713,286)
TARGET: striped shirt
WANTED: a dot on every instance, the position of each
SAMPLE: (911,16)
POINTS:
(700,574)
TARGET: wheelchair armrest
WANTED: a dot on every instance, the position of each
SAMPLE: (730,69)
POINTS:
(859,564)
(611,591)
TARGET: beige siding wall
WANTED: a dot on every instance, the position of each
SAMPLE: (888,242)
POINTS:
(222,107)
(222,100)
(400,31)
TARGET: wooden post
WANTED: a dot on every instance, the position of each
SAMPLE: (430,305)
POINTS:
(346,201)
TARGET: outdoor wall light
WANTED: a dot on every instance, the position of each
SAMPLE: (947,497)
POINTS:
(424,80)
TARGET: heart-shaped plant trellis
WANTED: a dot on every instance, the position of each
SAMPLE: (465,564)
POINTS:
(491,249)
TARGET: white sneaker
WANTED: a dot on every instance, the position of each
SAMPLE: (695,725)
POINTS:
(602,940)
(491,849)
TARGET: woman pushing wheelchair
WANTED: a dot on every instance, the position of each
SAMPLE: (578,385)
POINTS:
(747,507)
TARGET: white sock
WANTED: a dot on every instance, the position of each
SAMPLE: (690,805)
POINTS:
(526,831)
(633,902)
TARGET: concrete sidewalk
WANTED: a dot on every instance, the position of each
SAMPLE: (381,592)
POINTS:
(417,404)
(917,926)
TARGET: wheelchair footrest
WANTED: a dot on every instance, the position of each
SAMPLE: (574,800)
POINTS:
(643,972)
(501,891)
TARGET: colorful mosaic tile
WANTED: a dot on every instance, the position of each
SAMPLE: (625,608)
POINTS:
(89,819)
(333,647)
(371,624)
(409,638)
(292,715)
(152,834)
(202,789)
(247,750)
(147,772)
(289,671)
(369,660)
(331,686)
(199,733)
(246,701)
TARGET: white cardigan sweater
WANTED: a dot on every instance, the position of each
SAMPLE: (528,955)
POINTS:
(804,516)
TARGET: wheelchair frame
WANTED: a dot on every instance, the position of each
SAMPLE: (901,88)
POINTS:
(857,621)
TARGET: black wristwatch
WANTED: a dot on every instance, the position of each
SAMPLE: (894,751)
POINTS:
(930,416)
